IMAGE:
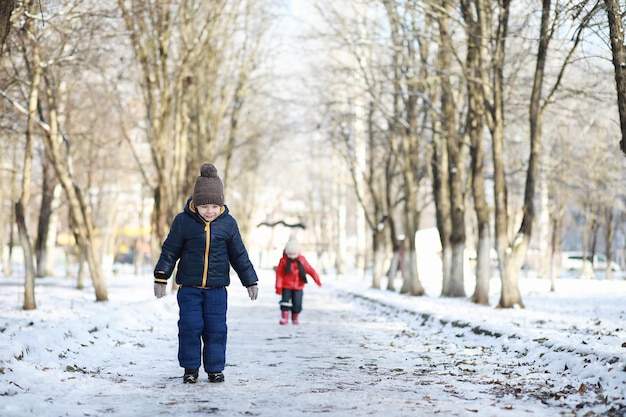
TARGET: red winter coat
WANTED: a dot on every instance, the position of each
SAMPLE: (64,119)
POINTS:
(292,280)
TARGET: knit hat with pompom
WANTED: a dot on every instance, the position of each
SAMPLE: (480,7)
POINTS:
(292,247)
(209,188)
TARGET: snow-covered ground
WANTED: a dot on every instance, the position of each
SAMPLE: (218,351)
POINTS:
(357,352)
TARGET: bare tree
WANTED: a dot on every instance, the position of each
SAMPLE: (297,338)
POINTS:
(475,16)
(59,56)
(30,44)
(513,255)
(598,177)
(453,278)
(407,140)
(355,130)
(494,103)
(163,74)
(187,54)
(78,208)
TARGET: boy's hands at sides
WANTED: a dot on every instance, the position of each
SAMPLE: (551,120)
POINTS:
(159,290)
(253,291)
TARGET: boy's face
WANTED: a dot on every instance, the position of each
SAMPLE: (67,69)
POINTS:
(209,211)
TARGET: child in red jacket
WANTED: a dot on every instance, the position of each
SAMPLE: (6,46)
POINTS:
(291,275)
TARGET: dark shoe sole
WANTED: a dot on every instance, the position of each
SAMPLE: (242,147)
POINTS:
(216,377)
(190,379)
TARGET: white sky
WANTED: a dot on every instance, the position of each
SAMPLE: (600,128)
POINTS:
(358,352)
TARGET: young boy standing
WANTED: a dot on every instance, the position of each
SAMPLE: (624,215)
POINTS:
(205,241)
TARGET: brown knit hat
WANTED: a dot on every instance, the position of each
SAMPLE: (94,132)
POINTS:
(209,188)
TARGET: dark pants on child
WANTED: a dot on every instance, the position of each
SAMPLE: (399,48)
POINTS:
(291,300)
(202,327)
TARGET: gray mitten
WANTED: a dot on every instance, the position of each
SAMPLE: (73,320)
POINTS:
(159,290)
(253,291)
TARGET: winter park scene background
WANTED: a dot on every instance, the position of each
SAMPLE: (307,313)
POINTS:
(454,170)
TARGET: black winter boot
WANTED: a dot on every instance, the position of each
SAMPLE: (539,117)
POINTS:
(191,376)
(216,376)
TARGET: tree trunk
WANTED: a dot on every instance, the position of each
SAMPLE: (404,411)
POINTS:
(411,283)
(609,233)
(411,280)
(415,285)
(51,241)
(511,296)
(456,159)
(555,249)
(501,214)
(43,225)
(495,119)
(618,49)
(543,229)
(378,253)
(442,206)
(80,271)
(24,201)
(29,269)
(474,15)
(6,8)
(6,222)
(483,267)
(393,270)
(339,231)
(441,191)
(397,263)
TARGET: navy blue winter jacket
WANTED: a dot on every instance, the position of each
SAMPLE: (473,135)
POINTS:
(204,251)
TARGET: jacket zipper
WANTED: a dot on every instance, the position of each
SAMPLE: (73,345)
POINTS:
(207,229)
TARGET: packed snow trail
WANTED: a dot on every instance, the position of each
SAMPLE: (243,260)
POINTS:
(346,358)
(351,355)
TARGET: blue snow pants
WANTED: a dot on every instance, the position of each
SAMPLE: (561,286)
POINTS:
(202,327)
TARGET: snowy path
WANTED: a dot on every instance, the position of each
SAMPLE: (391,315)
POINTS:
(344,359)
(351,356)
(357,357)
